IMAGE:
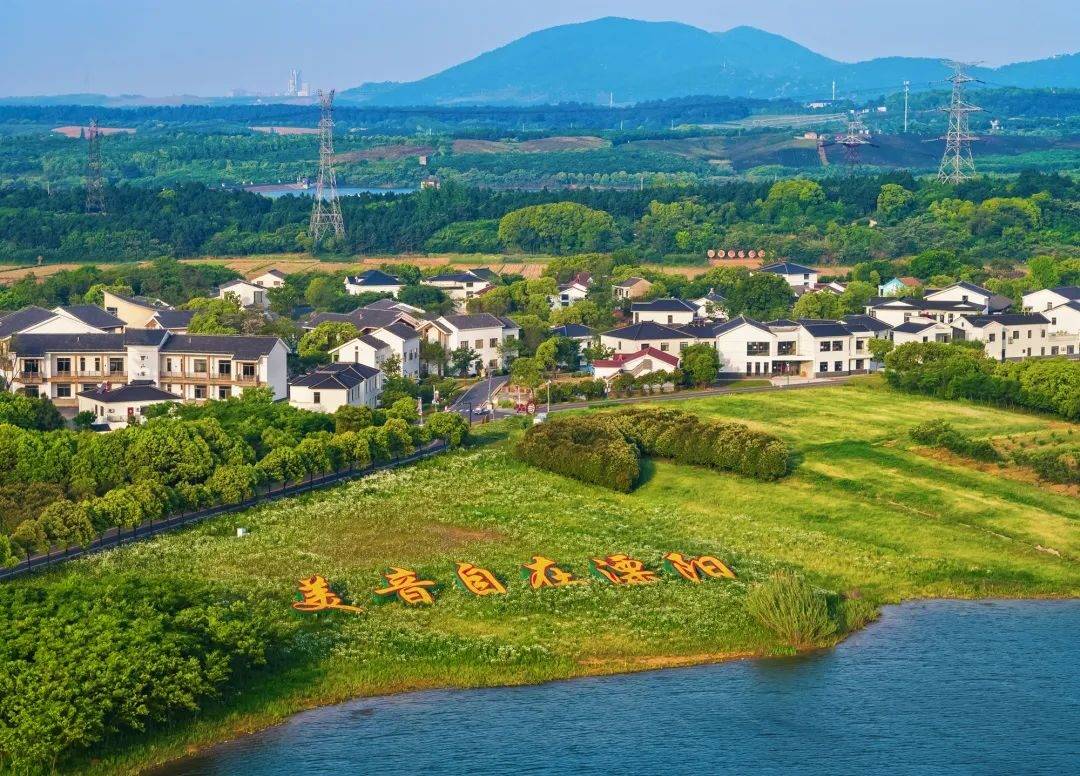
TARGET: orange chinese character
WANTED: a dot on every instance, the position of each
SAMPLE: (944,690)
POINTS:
(317,596)
(478,581)
(543,572)
(406,586)
(692,569)
(622,570)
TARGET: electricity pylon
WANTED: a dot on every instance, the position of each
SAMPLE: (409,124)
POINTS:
(326,212)
(958,165)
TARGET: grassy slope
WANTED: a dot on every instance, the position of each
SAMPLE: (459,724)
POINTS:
(862,511)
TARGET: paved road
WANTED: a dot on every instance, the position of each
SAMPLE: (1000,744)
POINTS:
(477,395)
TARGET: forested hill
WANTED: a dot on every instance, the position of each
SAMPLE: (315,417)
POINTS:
(631,61)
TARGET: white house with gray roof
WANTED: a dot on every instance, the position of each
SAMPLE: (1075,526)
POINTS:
(328,387)
(246,293)
(117,406)
(670,312)
(374,281)
(484,333)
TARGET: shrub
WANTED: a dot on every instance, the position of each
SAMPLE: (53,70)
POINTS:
(793,609)
(940,433)
(586,448)
(1051,465)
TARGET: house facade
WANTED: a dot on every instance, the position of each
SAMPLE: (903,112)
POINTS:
(460,287)
(373,281)
(1009,337)
(331,386)
(1049,298)
(631,288)
(248,294)
(796,275)
(484,333)
(271,279)
(669,312)
(646,361)
(117,406)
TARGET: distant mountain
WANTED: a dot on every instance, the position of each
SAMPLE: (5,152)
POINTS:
(629,61)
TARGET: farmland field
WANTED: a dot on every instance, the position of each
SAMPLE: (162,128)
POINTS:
(863,515)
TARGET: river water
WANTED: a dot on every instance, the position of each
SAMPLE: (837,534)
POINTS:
(933,687)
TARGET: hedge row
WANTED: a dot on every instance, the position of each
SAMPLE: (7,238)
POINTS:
(685,438)
(1052,465)
(587,448)
(940,433)
(605,449)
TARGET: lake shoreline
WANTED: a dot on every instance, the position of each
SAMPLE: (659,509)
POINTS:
(253,725)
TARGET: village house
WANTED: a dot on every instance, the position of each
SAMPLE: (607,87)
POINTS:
(270,279)
(568,294)
(328,387)
(486,334)
(1011,336)
(374,281)
(646,361)
(135,311)
(631,288)
(580,333)
(176,321)
(922,330)
(377,315)
(397,339)
(640,336)
(249,295)
(117,406)
(1064,319)
(902,309)
(671,312)
(1049,298)
(194,367)
(970,293)
(796,275)
(460,286)
(712,305)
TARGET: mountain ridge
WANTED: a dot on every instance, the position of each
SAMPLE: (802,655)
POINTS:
(614,59)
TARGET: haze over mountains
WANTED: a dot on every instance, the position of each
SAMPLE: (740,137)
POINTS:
(632,61)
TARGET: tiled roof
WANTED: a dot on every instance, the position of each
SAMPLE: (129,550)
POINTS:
(865,322)
(664,306)
(374,277)
(242,347)
(373,342)
(41,344)
(1007,319)
(12,323)
(1069,292)
(174,319)
(136,390)
(629,282)
(647,330)
(335,376)
(402,329)
(145,336)
(735,323)
(650,352)
(786,268)
(572,330)
(914,327)
(478,321)
(93,315)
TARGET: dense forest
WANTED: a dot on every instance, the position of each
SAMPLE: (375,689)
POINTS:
(832,221)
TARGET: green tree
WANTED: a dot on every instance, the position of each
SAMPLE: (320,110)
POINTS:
(559,227)
(763,296)
(817,304)
(894,202)
(701,363)
(462,358)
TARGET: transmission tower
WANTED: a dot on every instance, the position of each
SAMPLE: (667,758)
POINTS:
(326,212)
(854,139)
(957,165)
(95,185)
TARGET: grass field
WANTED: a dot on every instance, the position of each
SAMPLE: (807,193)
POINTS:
(863,514)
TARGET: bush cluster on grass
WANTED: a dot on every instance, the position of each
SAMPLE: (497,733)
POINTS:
(685,438)
(958,371)
(573,390)
(940,433)
(793,609)
(88,660)
(588,448)
(604,449)
(1052,465)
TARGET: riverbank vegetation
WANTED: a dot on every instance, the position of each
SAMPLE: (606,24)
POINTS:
(863,519)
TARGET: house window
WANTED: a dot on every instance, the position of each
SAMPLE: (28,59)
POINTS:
(224,368)
(63,366)
(87,387)
(493,363)
(992,336)
(838,366)
(82,363)
(31,366)
(683,345)
(925,339)
(168,365)
(665,346)
(247,370)
(316,396)
(479,344)
(1029,333)
(859,364)
(116,366)
(493,342)
(223,392)
(749,368)
(97,364)
(838,345)
(671,319)
(757,348)
(859,344)
(1042,333)
(824,366)
(198,366)
(31,391)
(63,391)
(785,348)
(200,392)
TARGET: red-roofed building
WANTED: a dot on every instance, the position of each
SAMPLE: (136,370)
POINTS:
(643,362)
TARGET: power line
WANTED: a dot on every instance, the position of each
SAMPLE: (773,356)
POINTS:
(326,212)
(957,164)
(95,185)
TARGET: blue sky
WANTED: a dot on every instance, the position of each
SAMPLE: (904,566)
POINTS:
(208,47)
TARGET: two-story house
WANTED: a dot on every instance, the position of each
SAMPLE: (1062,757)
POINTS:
(669,312)
(460,286)
(796,275)
(485,334)
(248,294)
(1010,336)
(331,386)
(374,281)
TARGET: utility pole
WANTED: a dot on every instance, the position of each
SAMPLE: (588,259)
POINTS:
(958,165)
(326,212)
(95,185)
(907,94)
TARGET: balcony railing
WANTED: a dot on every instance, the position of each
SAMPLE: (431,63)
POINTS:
(31,377)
